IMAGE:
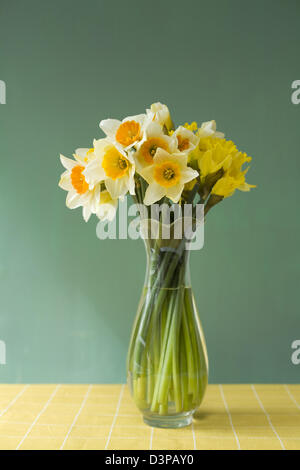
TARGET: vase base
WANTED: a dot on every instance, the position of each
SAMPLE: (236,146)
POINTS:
(176,421)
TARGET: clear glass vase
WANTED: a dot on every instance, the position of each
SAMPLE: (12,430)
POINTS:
(167,365)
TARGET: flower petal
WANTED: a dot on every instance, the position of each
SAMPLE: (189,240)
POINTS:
(65,181)
(73,200)
(174,192)
(154,193)
(162,156)
(81,154)
(110,127)
(147,173)
(131,183)
(140,118)
(68,163)
(86,212)
(94,173)
(117,188)
(188,174)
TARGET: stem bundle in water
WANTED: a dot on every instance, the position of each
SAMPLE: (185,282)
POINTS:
(167,360)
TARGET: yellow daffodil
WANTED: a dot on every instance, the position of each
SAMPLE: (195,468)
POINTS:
(154,138)
(213,154)
(167,176)
(225,186)
(73,180)
(234,177)
(112,166)
(191,127)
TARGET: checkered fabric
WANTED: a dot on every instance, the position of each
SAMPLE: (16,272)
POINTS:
(105,417)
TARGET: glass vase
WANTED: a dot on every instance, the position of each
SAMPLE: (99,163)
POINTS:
(167,367)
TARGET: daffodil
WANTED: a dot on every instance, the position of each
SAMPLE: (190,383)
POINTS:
(209,129)
(167,176)
(160,113)
(73,180)
(191,127)
(186,139)
(124,134)
(234,176)
(154,138)
(213,154)
(111,166)
(107,207)
(225,186)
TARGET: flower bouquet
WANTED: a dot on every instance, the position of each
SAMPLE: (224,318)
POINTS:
(175,168)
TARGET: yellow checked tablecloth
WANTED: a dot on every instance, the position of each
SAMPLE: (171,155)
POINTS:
(105,417)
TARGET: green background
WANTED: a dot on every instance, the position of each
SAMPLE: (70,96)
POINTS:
(67,299)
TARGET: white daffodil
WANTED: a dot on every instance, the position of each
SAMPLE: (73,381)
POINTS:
(154,138)
(167,176)
(107,207)
(124,134)
(160,113)
(73,181)
(209,129)
(186,139)
(112,166)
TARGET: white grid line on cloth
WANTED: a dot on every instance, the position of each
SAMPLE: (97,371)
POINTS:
(37,417)
(229,416)
(267,416)
(13,401)
(78,425)
(292,396)
(76,416)
(115,416)
(38,403)
(151,438)
(126,426)
(194,436)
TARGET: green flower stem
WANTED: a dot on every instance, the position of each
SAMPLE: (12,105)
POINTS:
(176,364)
(184,375)
(165,371)
(192,386)
(155,403)
(150,380)
(197,347)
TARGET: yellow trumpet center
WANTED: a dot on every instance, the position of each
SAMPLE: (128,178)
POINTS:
(167,174)
(128,133)
(148,148)
(115,164)
(78,180)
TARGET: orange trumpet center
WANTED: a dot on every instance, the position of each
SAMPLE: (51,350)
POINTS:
(128,133)
(148,148)
(78,180)
(183,144)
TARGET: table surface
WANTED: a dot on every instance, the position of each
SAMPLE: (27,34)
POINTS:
(105,417)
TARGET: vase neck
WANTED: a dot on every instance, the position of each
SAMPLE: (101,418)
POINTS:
(168,266)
